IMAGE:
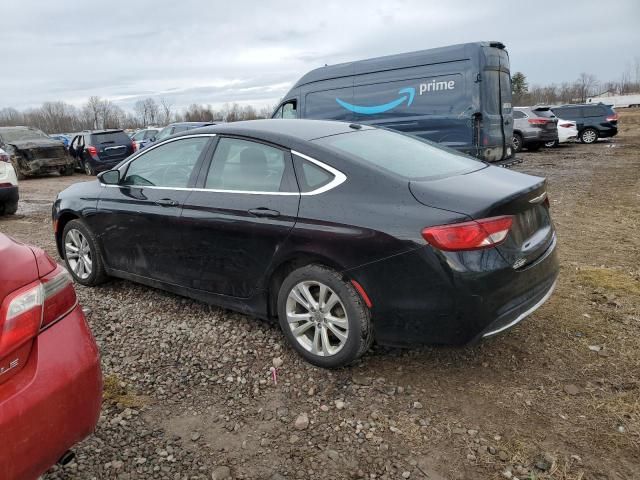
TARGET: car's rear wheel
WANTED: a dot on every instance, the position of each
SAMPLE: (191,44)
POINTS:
(553,144)
(8,208)
(323,317)
(82,254)
(88,169)
(517,142)
(589,135)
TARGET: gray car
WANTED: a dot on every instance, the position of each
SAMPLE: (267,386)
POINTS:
(533,127)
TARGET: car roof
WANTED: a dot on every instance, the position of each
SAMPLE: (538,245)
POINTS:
(109,130)
(279,130)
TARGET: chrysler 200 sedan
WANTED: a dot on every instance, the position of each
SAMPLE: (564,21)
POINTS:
(343,232)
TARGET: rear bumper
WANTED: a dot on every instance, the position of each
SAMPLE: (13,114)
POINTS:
(430,297)
(41,165)
(53,402)
(103,166)
(541,136)
(609,132)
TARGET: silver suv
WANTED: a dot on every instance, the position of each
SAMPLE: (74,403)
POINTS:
(533,127)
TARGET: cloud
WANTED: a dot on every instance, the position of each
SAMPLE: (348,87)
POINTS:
(251,51)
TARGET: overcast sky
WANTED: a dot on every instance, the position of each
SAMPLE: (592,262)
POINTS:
(251,51)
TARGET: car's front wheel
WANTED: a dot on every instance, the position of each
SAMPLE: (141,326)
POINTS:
(589,135)
(323,317)
(82,254)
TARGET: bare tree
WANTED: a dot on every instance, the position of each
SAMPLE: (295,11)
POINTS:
(585,84)
(165,108)
(94,108)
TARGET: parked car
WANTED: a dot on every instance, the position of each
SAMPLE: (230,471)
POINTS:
(142,137)
(50,379)
(533,127)
(33,152)
(341,231)
(65,139)
(458,95)
(176,128)
(8,185)
(592,121)
(567,132)
(99,150)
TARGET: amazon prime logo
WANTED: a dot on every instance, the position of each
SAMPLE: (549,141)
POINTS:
(434,86)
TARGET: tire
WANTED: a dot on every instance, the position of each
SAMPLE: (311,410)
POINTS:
(349,310)
(96,274)
(589,135)
(89,170)
(553,144)
(67,170)
(517,143)
(534,147)
(9,208)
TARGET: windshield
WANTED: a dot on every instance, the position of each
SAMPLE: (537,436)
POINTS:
(402,155)
(17,134)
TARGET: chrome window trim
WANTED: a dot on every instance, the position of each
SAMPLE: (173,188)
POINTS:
(338,176)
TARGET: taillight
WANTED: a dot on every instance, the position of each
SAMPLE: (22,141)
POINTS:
(473,235)
(93,151)
(4,157)
(59,296)
(538,121)
(134,147)
(27,310)
(566,125)
(612,118)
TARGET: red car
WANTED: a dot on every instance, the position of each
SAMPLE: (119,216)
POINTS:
(50,378)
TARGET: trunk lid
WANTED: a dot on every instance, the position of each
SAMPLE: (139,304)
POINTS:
(491,192)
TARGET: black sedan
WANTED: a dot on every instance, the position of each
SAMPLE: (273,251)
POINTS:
(343,232)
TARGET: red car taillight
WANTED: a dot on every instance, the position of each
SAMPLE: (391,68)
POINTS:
(93,151)
(538,121)
(4,157)
(27,310)
(566,125)
(473,235)
(612,118)
(133,147)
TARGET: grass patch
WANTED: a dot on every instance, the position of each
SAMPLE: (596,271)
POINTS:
(116,392)
(609,279)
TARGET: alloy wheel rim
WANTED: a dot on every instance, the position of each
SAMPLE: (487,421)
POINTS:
(317,318)
(516,143)
(78,254)
(589,136)
(87,169)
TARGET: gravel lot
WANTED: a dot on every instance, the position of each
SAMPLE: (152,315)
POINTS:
(188,391)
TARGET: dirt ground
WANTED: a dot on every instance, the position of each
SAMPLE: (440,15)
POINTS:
(188,392)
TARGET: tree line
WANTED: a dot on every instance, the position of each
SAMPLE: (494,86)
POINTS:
(97,113)
(585,86)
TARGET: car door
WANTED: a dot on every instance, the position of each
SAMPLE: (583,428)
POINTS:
(235,223)
(138,220)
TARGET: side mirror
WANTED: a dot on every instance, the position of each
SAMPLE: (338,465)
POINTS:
(110,177)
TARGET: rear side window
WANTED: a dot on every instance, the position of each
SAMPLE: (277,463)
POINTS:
(518,114)
(110,138)
(248,166)
(403,155)
(169,165)
(594,111)
(567,113)
(311,176)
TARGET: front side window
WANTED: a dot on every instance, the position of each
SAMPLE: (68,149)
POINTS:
(138,136)
(165,132)
(243,165)
(289,110)
(403,155)
(169,165)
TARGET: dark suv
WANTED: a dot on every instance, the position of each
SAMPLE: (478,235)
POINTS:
(592,121)
(533,127)
(99,150)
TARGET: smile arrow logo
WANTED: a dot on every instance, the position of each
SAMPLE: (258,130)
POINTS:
(406,94)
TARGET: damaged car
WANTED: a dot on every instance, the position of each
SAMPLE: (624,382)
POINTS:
(33,152)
